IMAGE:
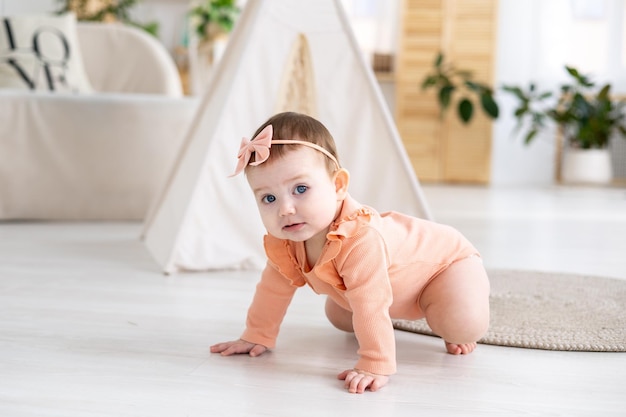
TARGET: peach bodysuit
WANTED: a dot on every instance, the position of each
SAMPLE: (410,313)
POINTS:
(374,265)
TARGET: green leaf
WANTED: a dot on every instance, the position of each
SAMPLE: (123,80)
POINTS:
(152,28)
(439,60)
(580,78)
(466,109)
(443,79)
(429,81)
(604,93)
(465,74)
(545,95)
(489,105)
(444,96)
(572,71)
(473,86)
(516,91)
(529,137)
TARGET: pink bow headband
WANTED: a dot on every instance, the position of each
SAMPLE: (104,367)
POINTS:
(261,145)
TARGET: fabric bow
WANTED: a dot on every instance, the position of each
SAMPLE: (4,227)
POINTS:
(260,146)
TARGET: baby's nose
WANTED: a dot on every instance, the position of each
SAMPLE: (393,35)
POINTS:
(287,208)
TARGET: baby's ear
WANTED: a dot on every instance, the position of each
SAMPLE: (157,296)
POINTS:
(342,180)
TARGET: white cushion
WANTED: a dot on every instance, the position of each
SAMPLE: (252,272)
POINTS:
(123,59)
(41,53)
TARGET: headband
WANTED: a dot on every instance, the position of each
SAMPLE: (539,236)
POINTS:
(261,145)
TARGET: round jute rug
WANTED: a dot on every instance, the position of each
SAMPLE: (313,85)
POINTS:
(552,311)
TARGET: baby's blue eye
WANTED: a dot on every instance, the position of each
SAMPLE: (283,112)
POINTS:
(301,189)
(268,199)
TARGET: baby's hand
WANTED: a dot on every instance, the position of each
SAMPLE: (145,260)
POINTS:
(238,346)
(357,381)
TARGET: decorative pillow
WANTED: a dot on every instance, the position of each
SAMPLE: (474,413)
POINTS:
(41,53)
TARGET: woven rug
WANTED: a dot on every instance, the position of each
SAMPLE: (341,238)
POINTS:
(552,311)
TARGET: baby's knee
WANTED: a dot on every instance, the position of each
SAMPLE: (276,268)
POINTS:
(475,323)
(338,316)
(459,324)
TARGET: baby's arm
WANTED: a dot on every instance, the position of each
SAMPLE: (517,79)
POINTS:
(238,346)
(369,294)
(271,299)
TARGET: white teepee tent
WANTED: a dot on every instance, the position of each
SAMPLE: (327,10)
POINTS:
(283,55)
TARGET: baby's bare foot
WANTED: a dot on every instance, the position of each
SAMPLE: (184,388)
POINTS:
(460,349)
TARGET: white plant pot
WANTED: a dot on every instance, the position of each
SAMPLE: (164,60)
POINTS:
(587,166)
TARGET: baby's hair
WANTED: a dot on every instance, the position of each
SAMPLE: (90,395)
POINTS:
(298,126)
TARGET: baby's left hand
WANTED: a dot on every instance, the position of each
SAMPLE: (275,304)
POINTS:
(357,381)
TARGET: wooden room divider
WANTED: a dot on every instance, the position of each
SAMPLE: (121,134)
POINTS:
(444,150)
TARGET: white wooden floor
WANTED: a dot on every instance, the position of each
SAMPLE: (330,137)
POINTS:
(89,327)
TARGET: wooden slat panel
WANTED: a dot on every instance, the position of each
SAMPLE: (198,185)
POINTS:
(444,150)
(416,116)
(468,151)
(468,148)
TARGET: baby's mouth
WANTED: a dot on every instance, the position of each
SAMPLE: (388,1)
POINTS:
(293,226)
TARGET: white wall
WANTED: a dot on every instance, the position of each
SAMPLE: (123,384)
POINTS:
(13,7)
(171,16)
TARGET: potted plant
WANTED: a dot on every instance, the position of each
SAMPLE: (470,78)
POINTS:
(458,85)
(212,18)
(585,115)
(587,118)
(210,22)
(106,11)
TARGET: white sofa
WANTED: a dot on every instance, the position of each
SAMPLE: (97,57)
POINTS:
(101,155)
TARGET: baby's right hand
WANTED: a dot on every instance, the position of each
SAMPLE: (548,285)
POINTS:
(238,346)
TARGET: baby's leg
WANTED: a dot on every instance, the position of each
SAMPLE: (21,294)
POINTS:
(456,304)
(339,316)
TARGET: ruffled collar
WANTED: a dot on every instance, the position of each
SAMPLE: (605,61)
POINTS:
(351,219)
(282,253)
